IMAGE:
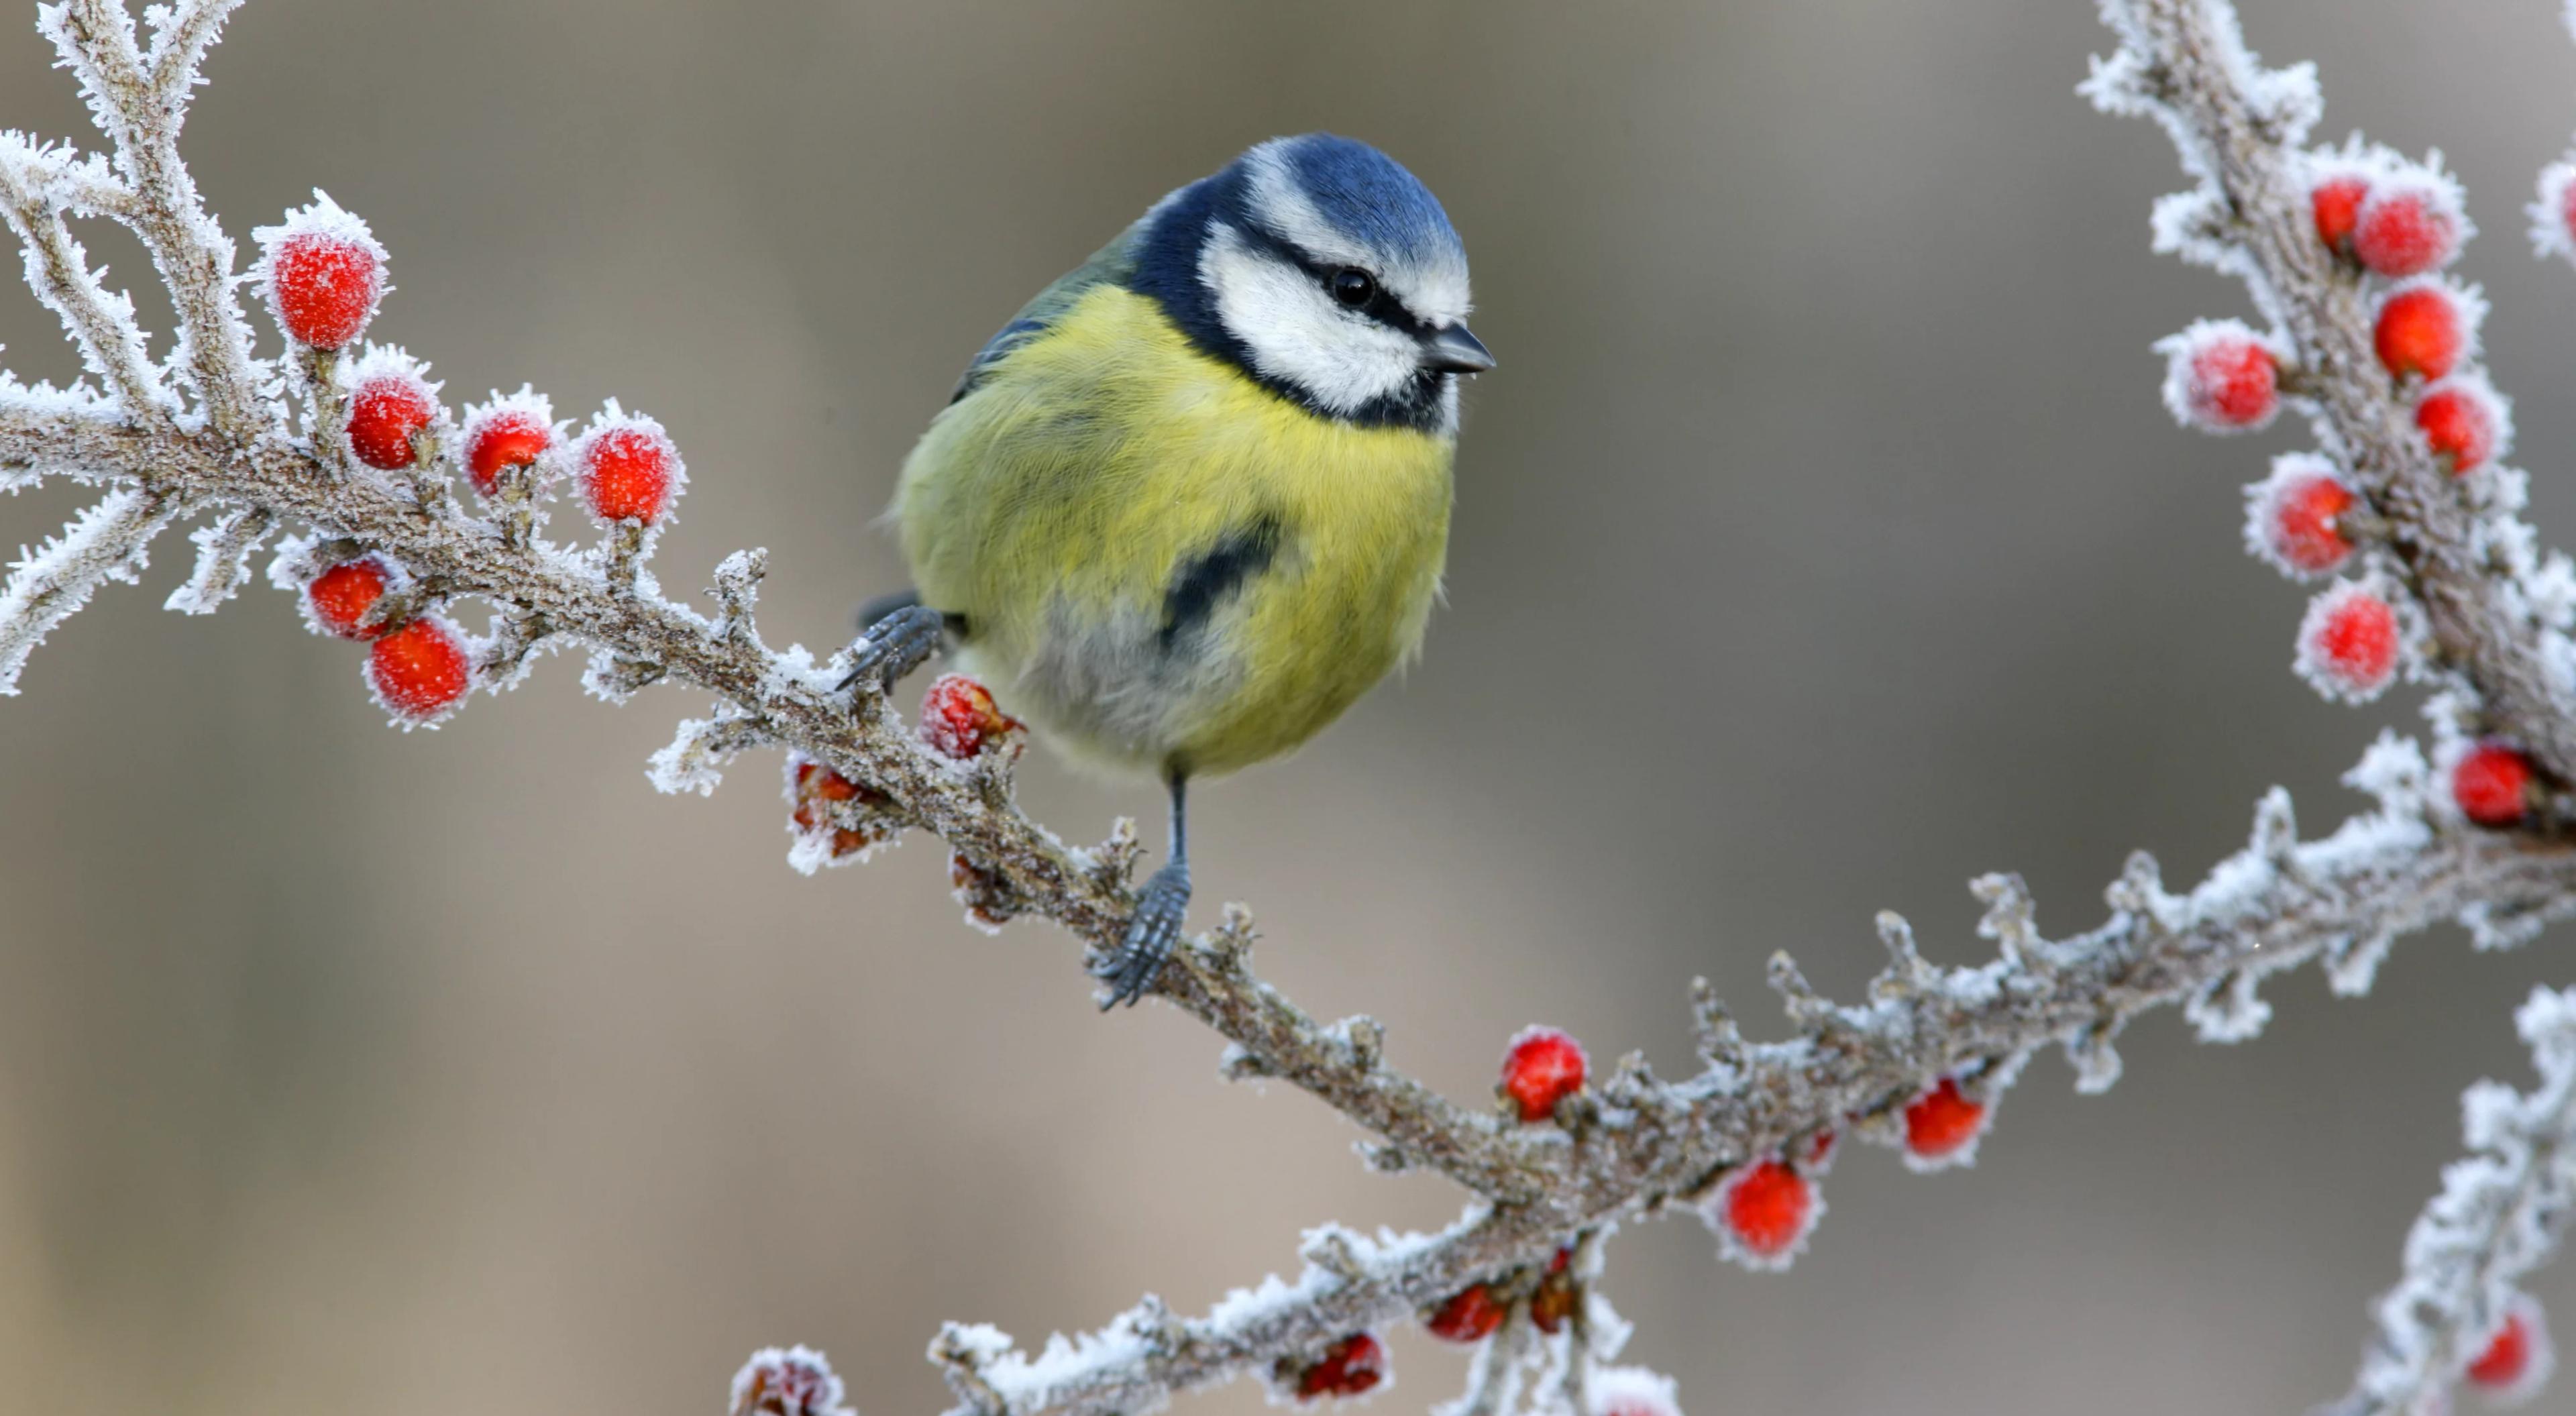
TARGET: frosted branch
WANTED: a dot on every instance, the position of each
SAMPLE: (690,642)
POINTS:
(2239,128)
(49,583)
(358,457)
(2501,1212)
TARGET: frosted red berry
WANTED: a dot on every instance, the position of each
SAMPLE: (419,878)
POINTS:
(421,669)
(2336,205)
(1541,1068)
(340,597)
(959,718)
(2223,378)
(1470,1315)
(501,439)
(1354,1365)
(387,413)
(1820,1147)
(1552,1302)
(2492,785)
(1767,1208)
(2349,642)
(2517,1361)
(2405,229)
(818,789)
(2302,521)
(628,471)
(1942,1122)
(324,287)
(796,1382)
(2460,422)
(2420,331)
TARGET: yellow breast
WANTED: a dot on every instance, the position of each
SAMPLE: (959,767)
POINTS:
(1071,506)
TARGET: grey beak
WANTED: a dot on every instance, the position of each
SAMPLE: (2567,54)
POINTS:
(1455,351)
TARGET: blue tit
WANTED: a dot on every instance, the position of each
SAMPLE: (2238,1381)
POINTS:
(1193,500)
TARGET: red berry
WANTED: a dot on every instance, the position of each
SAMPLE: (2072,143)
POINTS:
(1767,1208)
(500,439)
(2222,378)
(2516,1362)
(420,670)
(386,413)
(1541,1068)
(1552,1302)
(629,469)
(2420,331)
(2492,785)
(2298,513)
(2348,643)
(793,1382)
(2405,229)
(1820,1149)
(1470,1315)
(323,282)
(2337,205)
(959,719)
(340,597)
(1942,1124)
(817,788)
(2461,422)
(1349,1367)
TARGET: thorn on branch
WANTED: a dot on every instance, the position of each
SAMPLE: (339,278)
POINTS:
(1713,1030)
(737,591)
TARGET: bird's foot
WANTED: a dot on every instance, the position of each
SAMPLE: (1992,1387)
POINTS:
(1138,960)
(894,646)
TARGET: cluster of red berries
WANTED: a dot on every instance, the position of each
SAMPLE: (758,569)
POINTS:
(1351,1366)
(1473,1313)
(417,664)
(324,275)
(2402,224)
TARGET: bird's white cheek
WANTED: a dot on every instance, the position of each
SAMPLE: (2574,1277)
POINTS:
(1295,332)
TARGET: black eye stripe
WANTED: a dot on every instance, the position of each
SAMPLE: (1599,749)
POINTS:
(1380,306)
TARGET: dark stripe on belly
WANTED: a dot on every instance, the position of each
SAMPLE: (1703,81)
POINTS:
(1204,582)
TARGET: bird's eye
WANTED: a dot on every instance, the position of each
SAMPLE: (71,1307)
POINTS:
(1353,286)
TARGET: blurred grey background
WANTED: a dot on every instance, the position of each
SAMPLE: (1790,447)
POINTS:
(1820,543)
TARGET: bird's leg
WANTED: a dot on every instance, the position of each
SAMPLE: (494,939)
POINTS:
(901,635)
(1156,927)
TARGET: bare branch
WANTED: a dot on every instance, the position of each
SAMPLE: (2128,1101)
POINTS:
(2501,1213)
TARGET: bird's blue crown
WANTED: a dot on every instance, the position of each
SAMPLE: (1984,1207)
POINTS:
(1229,257)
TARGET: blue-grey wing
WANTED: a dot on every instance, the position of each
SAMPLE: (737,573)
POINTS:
(1110,265)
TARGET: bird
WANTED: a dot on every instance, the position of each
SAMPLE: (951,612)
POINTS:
(1193,500)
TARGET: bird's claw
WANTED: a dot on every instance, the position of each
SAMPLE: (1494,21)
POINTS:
(1132,967)
(894,646)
